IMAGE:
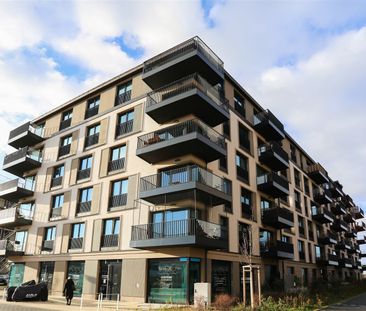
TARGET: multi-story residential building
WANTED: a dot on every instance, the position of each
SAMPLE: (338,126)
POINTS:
(155,179)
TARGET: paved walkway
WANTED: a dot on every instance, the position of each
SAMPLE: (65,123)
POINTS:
(357,303)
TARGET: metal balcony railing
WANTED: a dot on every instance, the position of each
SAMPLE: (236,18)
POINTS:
(82,174)
(124,128)
(118,200)
(35,155)
(64,150)
(56,181)
(84,207)
(47,245)
(272,177)
(91,140)
(17,183)
(16,212)
(76,243)
(179,130)
(122,98)
(56,212)
(273,147)
(315,168)
(91,112)
(39,131)
(110,240)
(65,124)
(117,164)
(265,116)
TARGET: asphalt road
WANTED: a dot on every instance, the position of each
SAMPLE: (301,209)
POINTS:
(357,303)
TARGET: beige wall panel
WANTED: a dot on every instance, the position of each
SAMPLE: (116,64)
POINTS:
(66,206)
(78,113)
(74,142)
(97,231)
(103,170)
(107,99)
(74,171)
(138,118)
(52,125)
(103,131)
(66,229)
(139,87)
(133,280)
(235,277)
(31,271)
(132,190)
(90,279)
(39,239)
(48,179)
(59,278)
(95,205)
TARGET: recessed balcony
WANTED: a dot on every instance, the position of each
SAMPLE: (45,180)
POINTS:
(328,238)
(278,217)
(190,95)
(266,124)
(357,212)
(322,214)
(320,196)
(273,156)
(277,249)
(21,161)
(15,217)
(189,137)
(190,56)
(25,135)
(345,263)
(186,183)
(339,225)
(16,189)
(273,185)
(186,232)
(328,260)
(317,173)
(338,208)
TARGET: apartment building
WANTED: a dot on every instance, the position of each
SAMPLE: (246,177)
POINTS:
(167,175)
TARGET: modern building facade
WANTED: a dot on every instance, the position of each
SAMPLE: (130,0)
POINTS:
(167,175)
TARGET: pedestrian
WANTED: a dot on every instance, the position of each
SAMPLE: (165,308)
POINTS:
(69,290)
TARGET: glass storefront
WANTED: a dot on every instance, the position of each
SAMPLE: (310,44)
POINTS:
(16,274)
(221,278)
(46,273)
(172,280)
(110,278)
(75,270)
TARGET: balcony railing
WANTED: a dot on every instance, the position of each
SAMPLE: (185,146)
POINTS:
(76,243)
(47,245)
(56,212)
(56,181)
(317,173)
(123,98)
(15,215)
(26,135)
(273,184)
(16,189)
(277,249)
(65,124)
(327,238)
(26,152)
(268,125)
(117,200)
(322,214)
(278,217)
(110,240)
(83,174)
(118,164)
(320,196)
(357,212)
(124,128)
(64,150)
(84,207)
(91,112)
(91,140)
(273,156)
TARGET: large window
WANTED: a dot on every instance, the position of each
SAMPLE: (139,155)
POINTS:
(26,210)
(221,277)
(246,200)
(20,240)
(65,145)
(239,104)
(48,239)
(245,247)
(242,167)
(57,202)
(297,178)
(301,248)
(118,156)
(170,223)
(84,167)
(92,107)
(124,93)
(125,123)
(46,271)
(85,199)
(58,173)
(66,119)
(244,137)
(110,232)
(75,270)
(92,137)
(77,236)
(297,200)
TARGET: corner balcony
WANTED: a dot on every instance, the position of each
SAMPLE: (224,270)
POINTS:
(335,189)
(21,161)
(317,173)
(345,263)
(273,185)
(190,56)
(328,238)
(186,232)
(186,183)
(328,260)
(273,156)
(25,135)
(189,137)
(16,189)
(357,212)
(322,214)
(266,124)
(360,226)
(278,217)
(320,196)
(189,95)
(339,225)
(338,208)
(10,248)
(277,249)
(15,217)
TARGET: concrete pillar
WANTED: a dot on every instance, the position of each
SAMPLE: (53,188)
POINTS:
(31,271)
(59,277)
(133,280)
(90,279)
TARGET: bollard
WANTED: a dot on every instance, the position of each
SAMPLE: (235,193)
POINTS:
(117,302)
(81,301)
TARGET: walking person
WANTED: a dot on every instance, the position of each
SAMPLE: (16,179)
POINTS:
(69,290)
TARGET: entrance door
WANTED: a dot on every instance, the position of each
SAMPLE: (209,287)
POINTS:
(46,273)
(110,278)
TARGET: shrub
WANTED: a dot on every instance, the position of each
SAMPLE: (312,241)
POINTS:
(224,302)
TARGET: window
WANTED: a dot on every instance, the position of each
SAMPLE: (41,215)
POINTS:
(171,222)
(66,119)
(92,107)
(265,204)
(244,137)
(265,239)
(286,239)
(48,239)
(65,145)
(244,239)
(297,200)
(301,247)
(118,156)
(293,153)
(124,93)
(306,185)
(58,173)
(119,193)
(239,104)
(297,178)
(92,137)
(85,198)
(310,248)
(223,164)
(57,202)
(84,167)
(20,240)
(110,232)
(226,129)
(77,236)
(242,167)
(29,182)
(246,203)
(301,224)
(306,206)
(125,123)
(26,210)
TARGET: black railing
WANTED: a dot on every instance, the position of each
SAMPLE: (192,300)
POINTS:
(118,200)
(275,148)
(270,245)
(91,140)
(272,177)
(83,174)
(110,240)
(56,181)
(179,228)
(183,175)
(76,243)
(265,116)
(321,210)
(56,212)
(35,155)
(179,130)
(117,164)
(124,128)
(91,112)
(333,257)
(123,98)
(188,46)
(84,207)
(316,168)
(64,150)
(65,124)
(48,245)
(191,82)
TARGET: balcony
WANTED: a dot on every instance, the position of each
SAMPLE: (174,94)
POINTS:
(343,245)
(273,156)
(335,189)
(21,161)
(186,232)
(273,185)
(328,238)
(345,263)
(339,225)
(65,124)
(110,240)
(328,260)
(10,248)
(266,124)
(64,150)
(25,135)
(338,208)
(320,196)
(317,173)
(15,217)
(355,249)
(76,243)
(190,56)
(278,249)
(348,217)
(278,217)
(16,189)
(360,226)
(322,214)
(357,212)
(190,95)
(56,212)
(351,233)
(190,137)
(185,183)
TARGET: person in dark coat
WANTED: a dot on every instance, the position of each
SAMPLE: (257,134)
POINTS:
(69,290)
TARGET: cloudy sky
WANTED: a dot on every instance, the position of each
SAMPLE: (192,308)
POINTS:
(304,60)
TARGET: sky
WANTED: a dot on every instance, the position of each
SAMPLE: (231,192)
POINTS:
(304,60)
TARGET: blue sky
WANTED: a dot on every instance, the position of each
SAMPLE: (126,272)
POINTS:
(304,60)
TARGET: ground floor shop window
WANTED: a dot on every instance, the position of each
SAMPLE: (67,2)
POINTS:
(16,274)
(221,278)
(75,270)
(46,273)
(110,278)
(172,280)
